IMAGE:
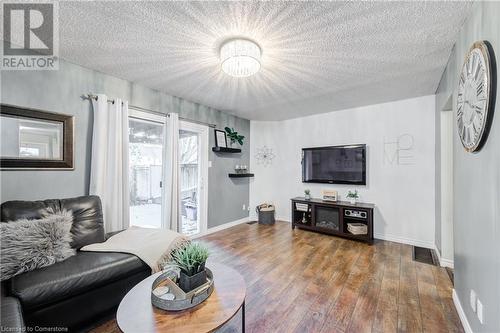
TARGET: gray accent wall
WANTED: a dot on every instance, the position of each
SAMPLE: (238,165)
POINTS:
(476,184)
(60,91)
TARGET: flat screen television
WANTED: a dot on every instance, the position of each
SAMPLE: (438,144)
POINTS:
(334,165)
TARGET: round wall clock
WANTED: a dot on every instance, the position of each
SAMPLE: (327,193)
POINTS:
(476,96)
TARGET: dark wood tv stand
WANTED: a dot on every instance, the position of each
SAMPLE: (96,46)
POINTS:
(332,218)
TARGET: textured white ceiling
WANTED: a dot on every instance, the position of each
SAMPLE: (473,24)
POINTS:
(317,56)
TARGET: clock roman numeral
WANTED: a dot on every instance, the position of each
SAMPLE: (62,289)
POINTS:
(480,88)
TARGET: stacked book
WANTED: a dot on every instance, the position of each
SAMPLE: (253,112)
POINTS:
(357,228)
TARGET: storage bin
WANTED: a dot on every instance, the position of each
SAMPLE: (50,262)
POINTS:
(266,214)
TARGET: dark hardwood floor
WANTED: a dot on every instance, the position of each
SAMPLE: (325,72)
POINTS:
(300,281)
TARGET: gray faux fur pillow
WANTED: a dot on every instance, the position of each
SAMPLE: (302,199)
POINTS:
(30,244)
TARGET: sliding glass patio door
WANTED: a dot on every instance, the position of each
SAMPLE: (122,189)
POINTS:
(146,165)
(146,146)
(193,160)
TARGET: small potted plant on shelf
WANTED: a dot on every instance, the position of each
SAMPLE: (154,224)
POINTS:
(234,136)
(191,261)
(353,197)
(307,194)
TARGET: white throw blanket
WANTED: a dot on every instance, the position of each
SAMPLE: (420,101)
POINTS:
(153,246)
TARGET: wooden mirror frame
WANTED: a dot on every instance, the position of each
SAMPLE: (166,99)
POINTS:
(41,164)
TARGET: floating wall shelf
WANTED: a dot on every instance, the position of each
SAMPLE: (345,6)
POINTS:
(240,175)
(226,150)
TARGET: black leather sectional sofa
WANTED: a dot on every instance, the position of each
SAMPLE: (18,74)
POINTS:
(74,293)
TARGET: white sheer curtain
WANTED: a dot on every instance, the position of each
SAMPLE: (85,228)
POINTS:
(171,190)
(109,177)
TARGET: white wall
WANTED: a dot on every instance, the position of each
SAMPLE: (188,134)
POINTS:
(402,189)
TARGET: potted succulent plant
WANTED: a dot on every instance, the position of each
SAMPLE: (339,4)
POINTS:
(191,261)
(352,196)
(307,194)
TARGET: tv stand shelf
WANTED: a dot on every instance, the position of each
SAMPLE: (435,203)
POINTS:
(332,218)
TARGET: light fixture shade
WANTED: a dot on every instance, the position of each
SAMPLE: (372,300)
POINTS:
(240,57)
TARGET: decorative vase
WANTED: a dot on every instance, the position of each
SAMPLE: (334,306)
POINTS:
(307,196)
(188,283)
(352,201)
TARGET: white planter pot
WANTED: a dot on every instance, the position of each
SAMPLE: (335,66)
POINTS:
(352,201)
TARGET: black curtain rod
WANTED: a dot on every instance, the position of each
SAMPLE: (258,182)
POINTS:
(112,101)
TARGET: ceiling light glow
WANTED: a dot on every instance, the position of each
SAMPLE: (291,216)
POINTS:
(240,57)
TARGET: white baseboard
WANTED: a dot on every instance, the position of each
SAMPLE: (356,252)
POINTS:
(461,313)
(221,227)
(404,240)
(446,263)
(442,261)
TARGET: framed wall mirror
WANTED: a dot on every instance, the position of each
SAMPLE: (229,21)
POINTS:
(35,139)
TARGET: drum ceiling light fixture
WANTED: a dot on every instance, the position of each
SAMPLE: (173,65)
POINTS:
(240,57)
